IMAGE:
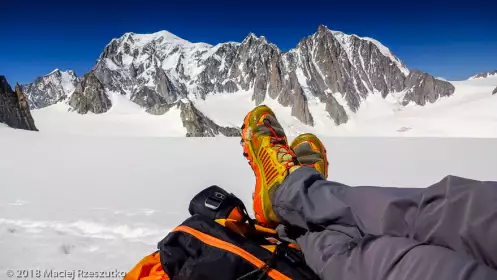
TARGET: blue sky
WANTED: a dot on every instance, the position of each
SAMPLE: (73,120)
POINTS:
(443,38)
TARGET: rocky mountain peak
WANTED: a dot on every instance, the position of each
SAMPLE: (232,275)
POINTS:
(14,107)
(252,41)
(51,88)
(250,36)
(323,29)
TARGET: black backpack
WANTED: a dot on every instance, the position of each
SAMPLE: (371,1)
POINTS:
(220,241)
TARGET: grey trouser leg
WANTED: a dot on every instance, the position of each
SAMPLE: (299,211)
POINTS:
(337,256)
(355,227)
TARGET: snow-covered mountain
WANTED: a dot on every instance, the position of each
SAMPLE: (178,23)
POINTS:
(160,71)
(484,75)
(51,88)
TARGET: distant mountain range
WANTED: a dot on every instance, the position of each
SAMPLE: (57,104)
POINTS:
(159,71)
(484,75)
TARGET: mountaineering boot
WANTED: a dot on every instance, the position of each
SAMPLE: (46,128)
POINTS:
(266,148)
(311,151)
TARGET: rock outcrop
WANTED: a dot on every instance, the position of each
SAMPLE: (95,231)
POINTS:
(198,125)
(495,91)
(421,88)
(90,96)
(14,107)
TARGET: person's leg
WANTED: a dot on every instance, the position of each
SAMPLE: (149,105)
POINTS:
(336,255)
(335,247)
(307,200)
(460,214)
(456,213)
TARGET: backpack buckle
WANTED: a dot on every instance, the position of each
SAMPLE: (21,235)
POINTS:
(215,200)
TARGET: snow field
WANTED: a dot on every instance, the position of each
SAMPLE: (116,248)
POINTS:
(101,203)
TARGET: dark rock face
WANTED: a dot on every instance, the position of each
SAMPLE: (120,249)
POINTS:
(198,125)
(336,111)
(422,87)
(14,107)
(155,100)
(90,96)
(495,91)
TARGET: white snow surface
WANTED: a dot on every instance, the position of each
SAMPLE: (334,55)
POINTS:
(67,82)
(125,118)
(80,202)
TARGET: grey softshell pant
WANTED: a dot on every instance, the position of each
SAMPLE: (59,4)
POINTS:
(447,231)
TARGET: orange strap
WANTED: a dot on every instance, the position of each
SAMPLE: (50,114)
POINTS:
(149,268)
(218,243)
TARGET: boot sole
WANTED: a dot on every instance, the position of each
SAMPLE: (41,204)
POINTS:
(254,163)
(312,140)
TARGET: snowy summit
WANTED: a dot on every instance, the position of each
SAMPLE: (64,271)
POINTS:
(331,83)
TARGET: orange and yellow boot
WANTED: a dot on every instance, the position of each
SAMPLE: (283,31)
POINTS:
(311,151)
(266,148)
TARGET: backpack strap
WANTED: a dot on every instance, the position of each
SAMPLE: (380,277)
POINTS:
(266,268)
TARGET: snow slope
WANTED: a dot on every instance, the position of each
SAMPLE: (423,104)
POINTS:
(71,202)
(125,118)
(469,112)
(67,82)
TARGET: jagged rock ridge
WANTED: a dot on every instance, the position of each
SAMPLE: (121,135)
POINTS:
(339,70)
(484,75)
(14,107)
